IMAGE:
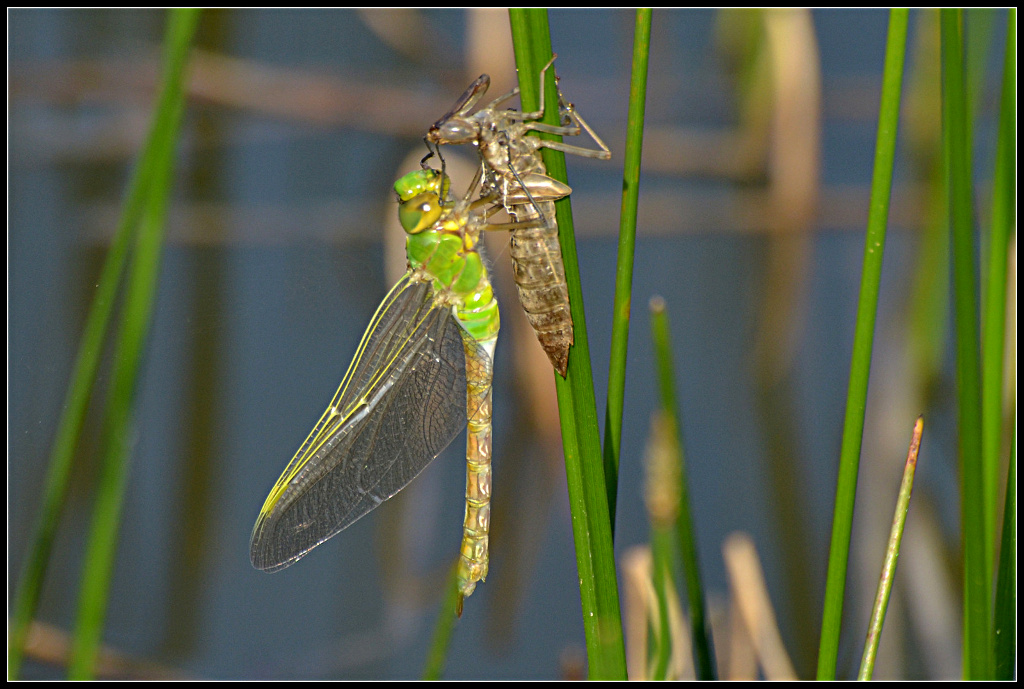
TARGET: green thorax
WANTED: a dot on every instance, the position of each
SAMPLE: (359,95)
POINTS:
(442,246)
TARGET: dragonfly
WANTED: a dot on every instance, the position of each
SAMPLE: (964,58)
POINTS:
(515,178)
(421,373)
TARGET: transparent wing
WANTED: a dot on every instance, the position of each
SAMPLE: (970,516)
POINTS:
(467,100)
(402,401)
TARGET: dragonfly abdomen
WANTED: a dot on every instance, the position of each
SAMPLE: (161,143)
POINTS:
(473,554)
(539,275)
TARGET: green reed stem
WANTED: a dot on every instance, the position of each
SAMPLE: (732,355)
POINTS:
(624,267)
(703,648)
(1005,630)
(137,311)
(588,497)
(661,574)
(892,554)
(956,157)
(863,342)
(76,400)
(993,342)
(438,652)
(1004,220)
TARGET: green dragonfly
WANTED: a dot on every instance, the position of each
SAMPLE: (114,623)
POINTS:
(515,178)
(421,373)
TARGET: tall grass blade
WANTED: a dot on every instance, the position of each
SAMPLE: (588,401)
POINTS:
(661,496)
(993,336)
(1006,582)
(976,40)
(863,342)
(892,554)
(588,497)
(136,316)
(929,317)
(703,649)
(1004,220)
(956,157)
(76,400)
(438,652)
(624,267)
(661,571)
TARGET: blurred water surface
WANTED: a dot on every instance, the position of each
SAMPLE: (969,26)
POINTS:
(298,122)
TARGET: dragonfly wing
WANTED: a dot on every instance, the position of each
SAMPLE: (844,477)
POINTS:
(401,403)
(467,100)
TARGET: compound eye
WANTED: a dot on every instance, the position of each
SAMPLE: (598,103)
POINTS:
(417,182)
(419,212)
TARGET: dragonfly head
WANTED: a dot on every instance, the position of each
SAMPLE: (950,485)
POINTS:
(454,130)
(420,195)
(457,127)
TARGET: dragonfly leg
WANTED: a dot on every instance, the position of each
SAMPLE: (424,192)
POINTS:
(539,113)
(501,99)
(603,154)
(573,128)
(561,130)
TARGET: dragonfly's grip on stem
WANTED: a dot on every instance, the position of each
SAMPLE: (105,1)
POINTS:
(514,177)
